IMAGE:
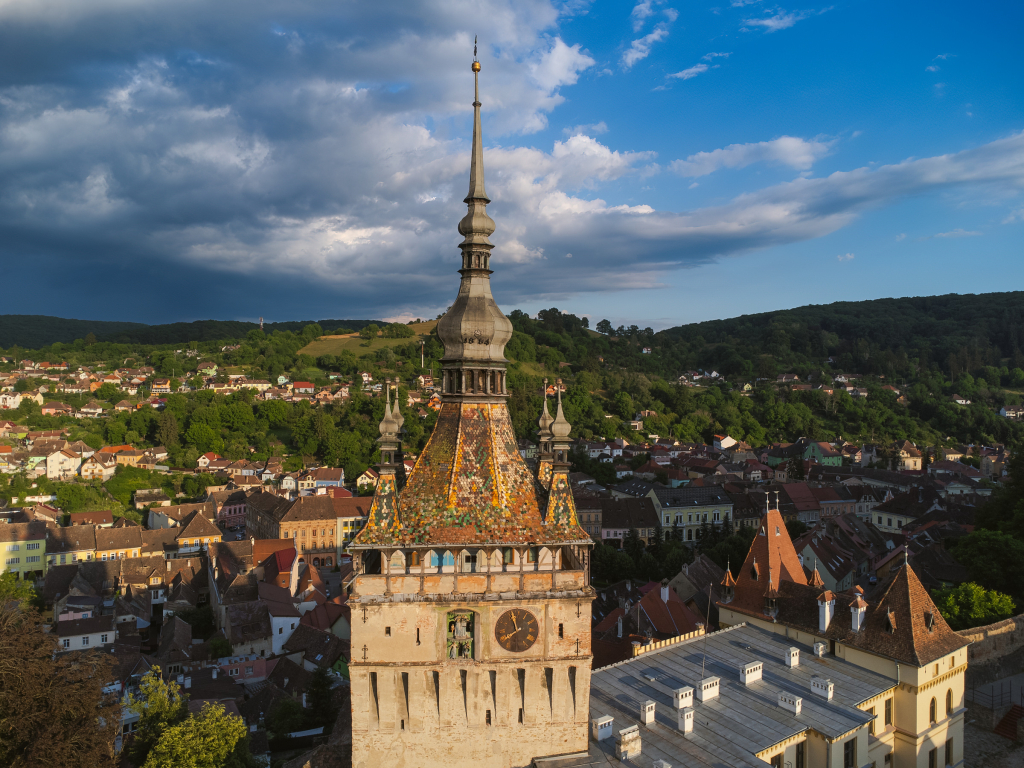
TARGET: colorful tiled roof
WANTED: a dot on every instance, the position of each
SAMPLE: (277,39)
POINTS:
(471,486)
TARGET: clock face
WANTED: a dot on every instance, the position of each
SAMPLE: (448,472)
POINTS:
(516,630)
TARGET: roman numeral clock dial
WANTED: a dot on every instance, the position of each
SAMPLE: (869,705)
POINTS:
(516,630)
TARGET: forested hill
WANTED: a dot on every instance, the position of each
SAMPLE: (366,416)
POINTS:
(956,332)
(36,331)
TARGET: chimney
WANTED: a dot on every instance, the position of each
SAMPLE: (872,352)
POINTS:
(304,705)
(286,682)
(791,702)
(188,682)
(618,631)
(826,609)
(823,687)
(181,679)
(857,609)
(685,722)
(629,585)
(708,689)
(664,590)
(751,672)
(168,564)
(792,657)
(627,743)
(819,650)
(647,712)
(601,727)
(682,697)
(214,673)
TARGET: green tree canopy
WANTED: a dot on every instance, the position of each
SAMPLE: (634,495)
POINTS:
(971,605)
(206,740)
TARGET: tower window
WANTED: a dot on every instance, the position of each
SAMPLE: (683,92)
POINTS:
(561,632)
(387,631)
(520,714)
(487,717)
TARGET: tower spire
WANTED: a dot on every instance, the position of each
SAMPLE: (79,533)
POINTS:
(474,331)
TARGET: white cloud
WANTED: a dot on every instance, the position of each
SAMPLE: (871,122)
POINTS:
(641,48)
(640,13)
(944,56)
(693,71)
(693,186)
(742,3)
(710,56)
(592,129)
(901,237)
(792,151)
(1017,215)
(845,257)
(781,20)
(932,68)
(958,233)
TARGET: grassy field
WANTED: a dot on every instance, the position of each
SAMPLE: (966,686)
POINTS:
(335,345)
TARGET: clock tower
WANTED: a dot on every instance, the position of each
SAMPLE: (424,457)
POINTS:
(471,597)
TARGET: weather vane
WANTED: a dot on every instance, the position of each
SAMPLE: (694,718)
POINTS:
(476,63)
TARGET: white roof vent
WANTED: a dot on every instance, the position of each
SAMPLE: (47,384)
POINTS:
(647,712)
(819,649)
(662,764)
(601,727)
(790,702)
(627,743)
(822,687)
(682,697)
(708,689)
(751,672)
(686,720)
(792,657)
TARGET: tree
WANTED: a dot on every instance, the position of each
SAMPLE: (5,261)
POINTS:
(54,710)
(286,717)
(795,468)
(160,706)
(167,429)
(14,589)
(318,695)
(633,545)
(369,332)
(971,605)
(206,740)
(201,620)
(219,648)
(795,529)
(108,392)
(993,560)
(604,327)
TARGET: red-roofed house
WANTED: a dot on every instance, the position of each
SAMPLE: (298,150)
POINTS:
(303,387)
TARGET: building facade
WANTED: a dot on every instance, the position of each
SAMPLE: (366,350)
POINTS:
(897,633)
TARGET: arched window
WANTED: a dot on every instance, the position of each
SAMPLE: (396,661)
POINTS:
(316,562)
(949,702)
(508,555)
(397,561)
(449,558)
(432,559)
(931,711)
(414,559)
(329,561)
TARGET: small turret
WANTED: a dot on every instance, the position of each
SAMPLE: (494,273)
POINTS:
(544,437)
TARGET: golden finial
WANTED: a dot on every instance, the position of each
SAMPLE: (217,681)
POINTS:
(476,64)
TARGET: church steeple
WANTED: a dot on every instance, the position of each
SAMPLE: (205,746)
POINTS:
(474,331)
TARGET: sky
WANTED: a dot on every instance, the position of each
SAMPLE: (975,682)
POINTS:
(651,163)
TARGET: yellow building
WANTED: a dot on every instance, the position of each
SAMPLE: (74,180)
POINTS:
(471,598)
(118,543)
(898,633)
(24,549)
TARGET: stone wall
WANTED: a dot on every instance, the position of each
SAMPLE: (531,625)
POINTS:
(994,641)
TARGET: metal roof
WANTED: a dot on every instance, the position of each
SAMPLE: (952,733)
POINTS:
(744,719)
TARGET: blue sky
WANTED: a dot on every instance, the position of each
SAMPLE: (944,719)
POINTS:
(649,162)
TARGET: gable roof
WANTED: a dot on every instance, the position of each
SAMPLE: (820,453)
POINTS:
(771,556)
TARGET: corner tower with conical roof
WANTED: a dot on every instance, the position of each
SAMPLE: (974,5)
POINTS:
(471,599)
